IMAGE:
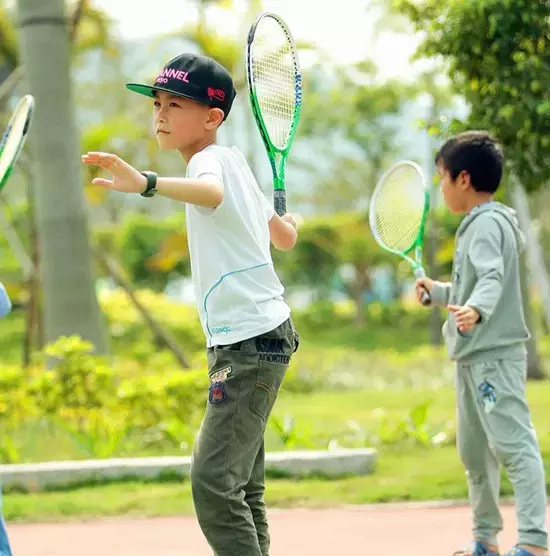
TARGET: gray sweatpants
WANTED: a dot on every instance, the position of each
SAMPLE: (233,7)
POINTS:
(494,428)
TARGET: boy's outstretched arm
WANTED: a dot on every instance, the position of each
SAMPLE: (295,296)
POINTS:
(126,179)
(282,230)
(5,302)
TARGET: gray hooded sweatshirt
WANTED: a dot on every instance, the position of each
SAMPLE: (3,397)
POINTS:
(486,277)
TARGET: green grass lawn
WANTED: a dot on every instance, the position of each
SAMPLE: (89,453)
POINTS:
(402,473)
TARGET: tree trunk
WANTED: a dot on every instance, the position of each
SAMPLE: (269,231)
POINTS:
(431,241)
(70,302)
(539,272)
(355,289)
(38,315)
(359,320)
(162,335)
(534,364)
(436,323)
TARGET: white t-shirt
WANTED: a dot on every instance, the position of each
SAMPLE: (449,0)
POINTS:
(238,293)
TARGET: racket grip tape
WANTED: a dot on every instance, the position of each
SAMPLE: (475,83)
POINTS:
(279,201)
(425,298)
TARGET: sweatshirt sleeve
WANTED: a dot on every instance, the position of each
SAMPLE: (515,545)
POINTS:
(441,292)
(486,256)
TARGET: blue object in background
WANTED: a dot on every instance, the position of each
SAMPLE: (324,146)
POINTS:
(5,302)
(382,284)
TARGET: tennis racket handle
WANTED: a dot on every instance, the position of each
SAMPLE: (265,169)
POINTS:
(279,201)
(426,298)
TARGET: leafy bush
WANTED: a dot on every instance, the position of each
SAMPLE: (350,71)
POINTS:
(134,338)
(326,315)
(165,408)
(140,241)
(100,407)
(77,381)
(15,408)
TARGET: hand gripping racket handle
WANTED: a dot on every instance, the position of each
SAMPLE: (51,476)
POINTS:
(279,201)
(425,298)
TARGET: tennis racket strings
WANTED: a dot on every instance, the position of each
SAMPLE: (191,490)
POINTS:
(274,77)
(398,208)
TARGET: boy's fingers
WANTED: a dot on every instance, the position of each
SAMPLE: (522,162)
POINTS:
(100,157)
(107,160)
(464,319)
(465,316)
(102,182)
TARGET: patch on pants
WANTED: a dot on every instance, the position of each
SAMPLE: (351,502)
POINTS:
(217,393)
(221,375)
(488,395)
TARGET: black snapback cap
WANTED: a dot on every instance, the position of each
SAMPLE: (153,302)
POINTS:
(196,77)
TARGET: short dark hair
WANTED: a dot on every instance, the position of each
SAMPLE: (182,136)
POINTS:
(477,153)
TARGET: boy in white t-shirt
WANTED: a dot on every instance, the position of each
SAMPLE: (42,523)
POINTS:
(250,336)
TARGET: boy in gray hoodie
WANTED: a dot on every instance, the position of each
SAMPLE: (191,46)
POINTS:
(485,333)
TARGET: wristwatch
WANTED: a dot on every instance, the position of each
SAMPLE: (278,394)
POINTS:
(151,188)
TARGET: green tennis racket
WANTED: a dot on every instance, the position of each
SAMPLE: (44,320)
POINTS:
(14,137)
(275,91)
(397,215)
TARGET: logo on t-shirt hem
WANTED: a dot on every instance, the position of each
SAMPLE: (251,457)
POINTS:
(221,330)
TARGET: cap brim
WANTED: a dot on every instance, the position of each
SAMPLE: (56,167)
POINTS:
(146,90)
(149,91)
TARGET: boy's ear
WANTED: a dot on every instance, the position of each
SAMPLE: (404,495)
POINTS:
(215,118)
(463,180)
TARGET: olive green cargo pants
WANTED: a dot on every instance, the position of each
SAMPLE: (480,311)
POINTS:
(227,472)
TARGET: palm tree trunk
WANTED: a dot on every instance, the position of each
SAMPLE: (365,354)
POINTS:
(70,302)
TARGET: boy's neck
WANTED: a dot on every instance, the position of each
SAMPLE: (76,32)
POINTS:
(188,152)
(476,200)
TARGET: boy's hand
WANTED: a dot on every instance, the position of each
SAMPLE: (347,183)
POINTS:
(125,177)
(423,284)
(283,233)
(289,219)
(466,317)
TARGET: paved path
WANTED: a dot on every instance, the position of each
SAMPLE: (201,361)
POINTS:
(391,530)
